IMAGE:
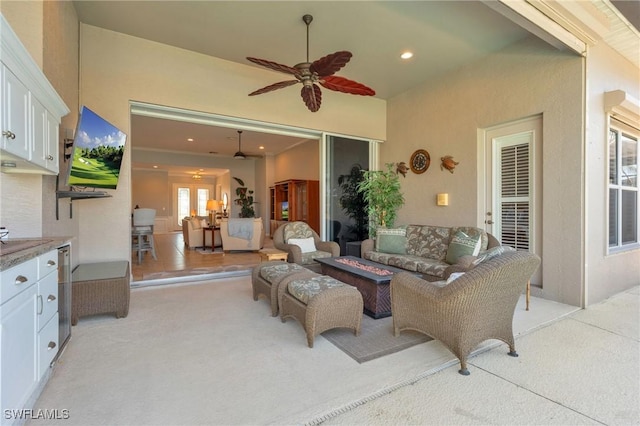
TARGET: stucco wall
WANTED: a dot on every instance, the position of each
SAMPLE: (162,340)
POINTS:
(116,68)
(606,274)
(443,116)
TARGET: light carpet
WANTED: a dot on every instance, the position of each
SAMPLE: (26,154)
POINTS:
(376,339)
(207,353)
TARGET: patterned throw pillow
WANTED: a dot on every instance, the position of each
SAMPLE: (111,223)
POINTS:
(391,240)
(462,245)
(492,252)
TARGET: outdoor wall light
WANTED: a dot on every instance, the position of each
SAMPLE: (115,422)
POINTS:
(442,199)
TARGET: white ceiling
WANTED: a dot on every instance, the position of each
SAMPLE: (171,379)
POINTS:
(443,35)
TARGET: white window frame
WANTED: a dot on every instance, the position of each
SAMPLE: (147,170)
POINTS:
(621,128)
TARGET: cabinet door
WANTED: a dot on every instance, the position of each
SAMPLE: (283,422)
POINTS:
(52,148)
(47,345)
(47,301)
(39,132)
(15,104)
(18,370)
(44,146)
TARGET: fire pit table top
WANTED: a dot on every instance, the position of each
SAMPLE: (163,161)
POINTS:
(376,272)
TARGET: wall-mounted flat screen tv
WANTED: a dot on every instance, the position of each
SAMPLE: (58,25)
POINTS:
(98,147)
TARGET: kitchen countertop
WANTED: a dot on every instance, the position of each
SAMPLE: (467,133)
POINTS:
(10,258)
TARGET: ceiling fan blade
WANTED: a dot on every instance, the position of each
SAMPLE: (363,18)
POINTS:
(344,85)
(275,86)
(312,97)
(274,66)
(330,64)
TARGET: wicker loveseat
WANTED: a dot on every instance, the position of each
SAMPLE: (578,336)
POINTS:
(426,249)
(476,306)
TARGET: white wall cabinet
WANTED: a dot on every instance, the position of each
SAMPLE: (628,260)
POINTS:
(29,324)
(30,111)
(45,151)
(15,111)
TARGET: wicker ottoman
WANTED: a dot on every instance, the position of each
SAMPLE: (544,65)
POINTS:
(266,277)
(100,288)
(319,303)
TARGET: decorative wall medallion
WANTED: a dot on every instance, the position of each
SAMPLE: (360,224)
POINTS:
(420,161)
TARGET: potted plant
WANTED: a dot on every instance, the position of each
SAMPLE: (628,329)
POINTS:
(244,200)
(353,203)
(381,190)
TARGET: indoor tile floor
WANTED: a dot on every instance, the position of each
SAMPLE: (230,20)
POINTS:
(173,257)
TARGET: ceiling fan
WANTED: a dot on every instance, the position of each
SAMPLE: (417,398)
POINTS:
(310,73)
(241,155)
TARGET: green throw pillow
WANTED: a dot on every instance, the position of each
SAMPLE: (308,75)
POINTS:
(391,240)
(462,245)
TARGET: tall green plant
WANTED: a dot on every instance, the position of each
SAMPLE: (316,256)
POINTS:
(244,200)
(353,203)
(381,190)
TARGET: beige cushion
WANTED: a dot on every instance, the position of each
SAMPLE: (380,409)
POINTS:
(307,245)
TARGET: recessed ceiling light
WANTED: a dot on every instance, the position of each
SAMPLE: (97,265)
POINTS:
(261,147)
(407,55)
(189,139)
(155,167)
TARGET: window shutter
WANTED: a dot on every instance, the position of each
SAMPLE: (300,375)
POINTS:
(514,196)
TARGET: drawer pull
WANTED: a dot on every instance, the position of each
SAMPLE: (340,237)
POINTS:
(40,305)
(21,279)
(51,263)
(8,134)
(51,298)
(50,157)
(51,345)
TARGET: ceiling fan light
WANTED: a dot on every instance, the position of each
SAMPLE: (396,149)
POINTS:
(239,156)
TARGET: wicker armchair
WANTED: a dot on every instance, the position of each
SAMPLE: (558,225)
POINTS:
(475,307)
(302,230)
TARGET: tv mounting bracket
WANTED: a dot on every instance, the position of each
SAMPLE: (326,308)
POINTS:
(76,195)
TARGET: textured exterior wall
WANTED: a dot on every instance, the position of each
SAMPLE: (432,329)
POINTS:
(116,68)
(605,274)
(443,116)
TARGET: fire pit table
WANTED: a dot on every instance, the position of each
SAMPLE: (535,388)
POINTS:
(370,278)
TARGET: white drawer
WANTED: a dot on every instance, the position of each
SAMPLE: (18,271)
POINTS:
(17,279)
(47,345)
(47,299)
(47,263)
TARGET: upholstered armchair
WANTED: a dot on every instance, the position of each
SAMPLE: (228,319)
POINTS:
(303,245)
(245,234)
(476,306)
(193,234)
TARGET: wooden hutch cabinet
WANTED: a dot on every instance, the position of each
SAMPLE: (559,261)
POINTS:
(296,200)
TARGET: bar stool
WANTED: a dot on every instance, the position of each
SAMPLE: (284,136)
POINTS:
(142,232)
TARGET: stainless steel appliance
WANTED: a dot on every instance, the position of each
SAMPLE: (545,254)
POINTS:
(64,296)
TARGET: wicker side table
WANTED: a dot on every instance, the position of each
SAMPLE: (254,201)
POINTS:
(100,288)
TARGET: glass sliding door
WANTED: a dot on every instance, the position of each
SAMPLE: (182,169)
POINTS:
(345,215)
